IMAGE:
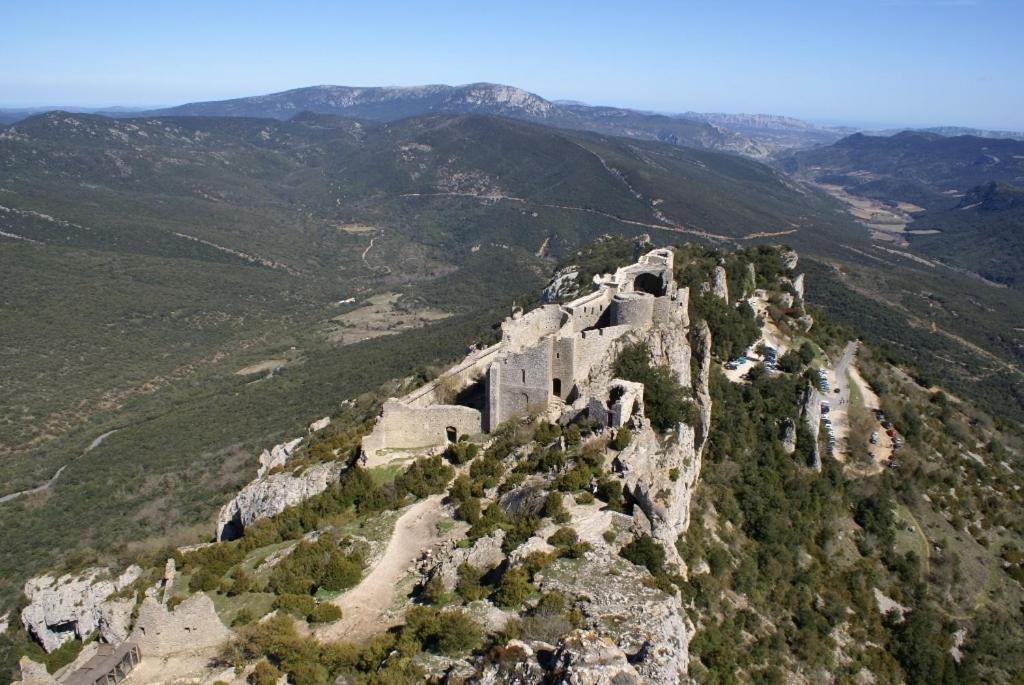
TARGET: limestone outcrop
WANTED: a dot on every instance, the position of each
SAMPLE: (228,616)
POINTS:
(790,259)
(270,495)
(627,615)
(564,284)
(320,424)
(798,286)
(584,658)
(277,455)
(811,413)
(517,665)
(61,609)
(719,285)
(787,435)
(485,554)
(33,673)
(192,626)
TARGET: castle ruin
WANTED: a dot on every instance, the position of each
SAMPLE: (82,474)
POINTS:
(544,363)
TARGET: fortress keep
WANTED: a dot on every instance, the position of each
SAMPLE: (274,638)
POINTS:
(546,362)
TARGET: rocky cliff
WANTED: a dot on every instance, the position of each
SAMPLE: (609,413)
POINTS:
(270,495)
(74,606)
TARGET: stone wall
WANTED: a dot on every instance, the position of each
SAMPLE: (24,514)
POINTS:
(422,429)
(191,627)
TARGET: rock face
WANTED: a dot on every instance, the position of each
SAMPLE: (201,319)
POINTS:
(485,554)
(278,455)
(564,284)
(811,413)
(788,436)
(668,343)
(584,658)
(798,285)
(61,609)
(270,495)
(790,259)
(33,673)
(616,604)
(719,287)
(192,626)
(517,665)
(320,424)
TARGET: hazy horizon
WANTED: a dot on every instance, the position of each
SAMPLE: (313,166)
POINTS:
(894,63)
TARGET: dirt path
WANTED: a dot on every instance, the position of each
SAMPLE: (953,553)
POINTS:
(367,608)
(49,484)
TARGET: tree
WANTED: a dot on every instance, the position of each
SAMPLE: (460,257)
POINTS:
(469,586)
(514,588)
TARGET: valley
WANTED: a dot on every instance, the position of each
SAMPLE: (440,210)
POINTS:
(202,285)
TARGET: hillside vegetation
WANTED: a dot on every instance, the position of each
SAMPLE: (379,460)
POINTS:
(189,282)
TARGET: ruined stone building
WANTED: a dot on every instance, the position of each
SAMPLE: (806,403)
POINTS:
(543,363)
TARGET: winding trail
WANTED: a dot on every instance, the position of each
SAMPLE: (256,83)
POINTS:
(367,607)
(49,484)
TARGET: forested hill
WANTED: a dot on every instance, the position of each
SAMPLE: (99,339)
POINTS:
(390,103)
(934,165)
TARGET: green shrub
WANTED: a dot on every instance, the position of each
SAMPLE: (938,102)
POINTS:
(622,438)
(513,589)
(425,477)
(645,551)
(563,537)
(297,605)
(462,452)
(610,490)
(325,612)
(469,586)
(243,617)
(554,508)
(264,674)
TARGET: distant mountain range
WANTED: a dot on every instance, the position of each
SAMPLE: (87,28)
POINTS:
(389,104)
(753,135)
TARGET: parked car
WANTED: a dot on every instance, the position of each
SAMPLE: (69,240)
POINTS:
(874,438)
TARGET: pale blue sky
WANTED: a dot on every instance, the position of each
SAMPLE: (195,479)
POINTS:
(885,62)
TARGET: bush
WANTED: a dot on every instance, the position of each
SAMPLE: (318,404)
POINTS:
(315,565)
(425,477)
(622,438)
(469,510)
(563,537)
(462,452)
(297,605)
(645,551)
(513,589)
(452,632)
(243,617)
(325,612)
(469,586)
(434,591)
(610,490)
(264,674)
(554,508)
